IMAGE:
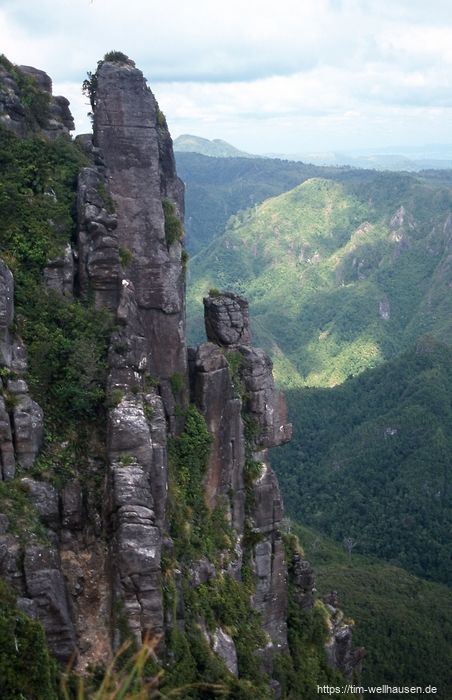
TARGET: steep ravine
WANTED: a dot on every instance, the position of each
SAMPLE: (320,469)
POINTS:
(163,523)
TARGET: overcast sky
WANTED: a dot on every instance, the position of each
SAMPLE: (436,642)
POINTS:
(269,76)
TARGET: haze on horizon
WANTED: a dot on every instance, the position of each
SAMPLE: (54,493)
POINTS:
(305,75)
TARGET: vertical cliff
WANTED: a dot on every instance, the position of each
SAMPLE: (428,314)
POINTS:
(153,511)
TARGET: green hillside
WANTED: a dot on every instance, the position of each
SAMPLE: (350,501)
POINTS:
(372,460)
(217,148)
(217,188)
(404,622)
(340,275)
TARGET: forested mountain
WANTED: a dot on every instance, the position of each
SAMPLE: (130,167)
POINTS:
(404,622)
(217,148)
(371,460)
(350,280)
(341,274)
(216,188)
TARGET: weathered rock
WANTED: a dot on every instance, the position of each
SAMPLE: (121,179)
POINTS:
(227,319)
(59,273)
(7,458)
(136,547)
(27,419)
(304,581)
(46,587)
(72,506)
(269,565)
(140,172)
(223,645)
(98,246)
(216,399)
(264,403)
(340,652)
(6,314)
(201,571)
(52,119)
(44,497)
(11,556)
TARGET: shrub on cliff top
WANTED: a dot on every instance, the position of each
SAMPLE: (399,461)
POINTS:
(117,57)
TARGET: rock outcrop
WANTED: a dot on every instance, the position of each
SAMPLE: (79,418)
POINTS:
(94,571)
(27,103)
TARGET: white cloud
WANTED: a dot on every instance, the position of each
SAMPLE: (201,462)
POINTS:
(334,71)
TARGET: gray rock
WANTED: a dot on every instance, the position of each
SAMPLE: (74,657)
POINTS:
(303,581)
(140,171)
(227,319)
(224,646)
(98,247)
(6,314)
(72,506)
(13,114)
(136,550)
(11,556)
(27,606)
(269,565)
(216,398)
(201,571)
(27,419)
(59,273)
(46,587)
(264,403)
(7,458)
(44,498)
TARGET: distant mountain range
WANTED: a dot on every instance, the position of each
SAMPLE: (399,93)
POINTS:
(217,148)
(437,156)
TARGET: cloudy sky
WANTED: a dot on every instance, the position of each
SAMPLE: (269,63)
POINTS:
(269,76)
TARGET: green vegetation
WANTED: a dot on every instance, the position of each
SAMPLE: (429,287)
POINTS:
(197,530)
(334,286)
(177,382)
(106,198)
(173,227)
(371,460)
(36,102)
(66,342)
(404,622)
(301,672)
(26,668)
(89,85)
(215,148)
(24,521)
(125,257)
(219,187)
(161,119)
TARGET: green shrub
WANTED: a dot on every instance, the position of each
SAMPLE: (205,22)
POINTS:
(125,257)
(161,119)
(26,668)
(118,57)
(177,382)
(173,227)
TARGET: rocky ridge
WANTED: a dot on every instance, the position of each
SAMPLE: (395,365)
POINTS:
(99,570)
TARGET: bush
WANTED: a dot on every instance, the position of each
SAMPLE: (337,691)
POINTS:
(173,227)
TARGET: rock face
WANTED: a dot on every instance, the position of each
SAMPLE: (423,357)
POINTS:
(141,178)
(227,325)
(27,103)
(97,573)
(227,319)
(21,419)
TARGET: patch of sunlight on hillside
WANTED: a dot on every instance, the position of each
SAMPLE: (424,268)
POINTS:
(284,372)
(356,357)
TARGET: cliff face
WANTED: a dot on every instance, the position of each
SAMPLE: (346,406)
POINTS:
(111,560)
